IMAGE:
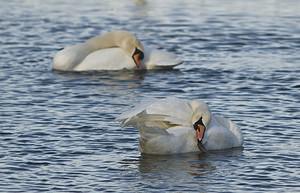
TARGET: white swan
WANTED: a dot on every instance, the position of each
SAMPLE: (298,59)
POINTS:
(115,50)
(172,125)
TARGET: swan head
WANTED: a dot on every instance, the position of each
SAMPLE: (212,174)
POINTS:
(200,119)
(200,129)
(125,40)
(135,49)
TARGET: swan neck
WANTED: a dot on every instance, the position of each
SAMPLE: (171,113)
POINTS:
(121,39)
(100,42)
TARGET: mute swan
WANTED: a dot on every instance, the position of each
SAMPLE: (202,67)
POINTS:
(172,125)
(115,50)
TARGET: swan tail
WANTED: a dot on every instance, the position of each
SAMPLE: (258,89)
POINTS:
(159,59)
(237,140)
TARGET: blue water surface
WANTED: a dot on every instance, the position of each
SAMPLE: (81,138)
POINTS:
(58,131)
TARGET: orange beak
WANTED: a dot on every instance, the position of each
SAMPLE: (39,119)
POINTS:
(137,57)
(137,60)
(200,130)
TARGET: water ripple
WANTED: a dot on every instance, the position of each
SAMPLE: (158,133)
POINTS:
(58,130)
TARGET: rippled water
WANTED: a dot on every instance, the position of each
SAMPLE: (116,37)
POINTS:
(58,131)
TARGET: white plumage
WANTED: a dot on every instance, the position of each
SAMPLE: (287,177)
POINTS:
(111,51)
(166,127)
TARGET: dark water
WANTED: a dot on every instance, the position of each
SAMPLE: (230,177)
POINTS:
(57,130)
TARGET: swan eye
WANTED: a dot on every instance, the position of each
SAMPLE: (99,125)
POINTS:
(141,56)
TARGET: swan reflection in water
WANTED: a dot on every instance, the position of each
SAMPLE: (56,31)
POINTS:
(190,164)
(128,78)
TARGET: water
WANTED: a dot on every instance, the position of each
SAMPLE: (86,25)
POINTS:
(58,132)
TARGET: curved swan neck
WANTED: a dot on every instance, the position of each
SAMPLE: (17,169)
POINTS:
(125,40)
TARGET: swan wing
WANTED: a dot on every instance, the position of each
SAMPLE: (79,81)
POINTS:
(160,133)
(106,59)
(163,114)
